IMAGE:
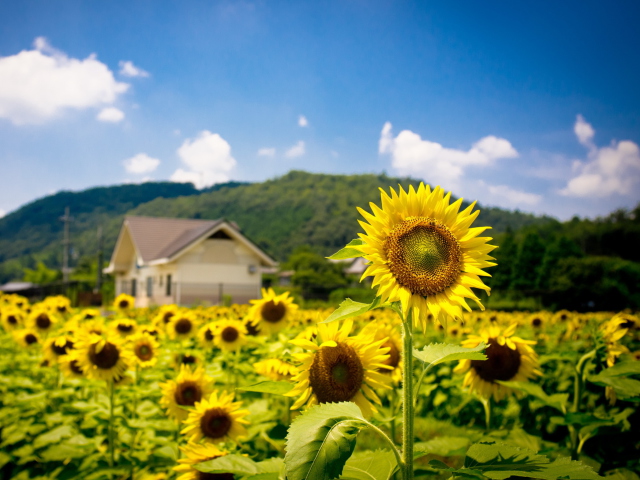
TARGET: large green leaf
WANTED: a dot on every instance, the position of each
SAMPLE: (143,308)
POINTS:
(277,388)
(236,464)
(557,400)
(370,465)
(321,440)
(52,436)
(617,377)
(442,446)
(499,461)
(348,251)
(436,353)
(348,308)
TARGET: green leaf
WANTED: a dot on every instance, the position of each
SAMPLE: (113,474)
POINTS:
(271,465)
(321,440)
(617,377)
(347,251)
(370,465)
(277,388)
(4,459)
(236,464)
(60,453)
(557,401)
(437,353)
(349,308)
(442,446)
(52,436)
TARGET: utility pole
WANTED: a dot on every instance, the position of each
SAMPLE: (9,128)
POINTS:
(67,219)
(100,260)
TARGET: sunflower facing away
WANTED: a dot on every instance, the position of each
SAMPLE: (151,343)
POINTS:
(216,419)
(423,253)
(190,387)
(195,453)
(101,358)
(272,312)
(509,358)
(340,368)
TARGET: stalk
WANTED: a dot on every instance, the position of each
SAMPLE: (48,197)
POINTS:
(486,403)
(111,429)
(407,398)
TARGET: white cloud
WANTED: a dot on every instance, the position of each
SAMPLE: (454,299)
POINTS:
(509,197)
(110,114)
(208,158)
(2,213)
(411,155)
(296,151)
(128,69)
(607,171)
(584,131)
(141,163)
(36,85)
(302,121)
(266,152)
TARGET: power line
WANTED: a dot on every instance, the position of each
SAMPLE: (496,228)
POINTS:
(67,219)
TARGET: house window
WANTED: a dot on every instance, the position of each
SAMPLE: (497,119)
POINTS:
(160,280)
(149,286)
(168,285)
(134,285)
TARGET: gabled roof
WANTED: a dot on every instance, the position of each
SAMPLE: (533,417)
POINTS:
(160,240)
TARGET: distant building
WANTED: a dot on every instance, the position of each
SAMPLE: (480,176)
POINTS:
(174,260)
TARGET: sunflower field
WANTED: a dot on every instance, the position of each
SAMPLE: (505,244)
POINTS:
(416,384)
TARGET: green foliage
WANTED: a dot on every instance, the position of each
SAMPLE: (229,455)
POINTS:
(321,440)
(277,388)
(350,309)
(41,274)
(437,353)
(313,270)
(557,400)
(528,262)
(348,251)
(370,465)
(619,378)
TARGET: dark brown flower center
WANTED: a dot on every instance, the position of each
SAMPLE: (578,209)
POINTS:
(144,352)
(88,316)
(215,423)
(75,367)
(125,327)
(106,358)
(183,326)
(336,373)
(123,303)
(61,349)
(215,476)
(229,334)
(502,363)
(394,356)
(251,329)
(167,316)
(188,359)
(208,335)
(273,312)
(43,321)
(12,320)
(30,338)
(61,308)
(188,393)
(423,255)
(536,322)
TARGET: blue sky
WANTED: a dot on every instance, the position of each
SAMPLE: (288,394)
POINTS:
(529,106)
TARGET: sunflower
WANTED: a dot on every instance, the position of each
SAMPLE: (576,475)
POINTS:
(194,454)
(70,367)
(145,349)
(275,369)
(538,320)
(124,326)
(273,312)
(124,302)
(164,315)
(423,253)
(189,387)
(55,348)
(509,358)
(206,335)
(101,358)
(612,332)
(26,337)
(12,318)
(230,335)
(340,368)
(216,420)
(185,358)
(59,303)
(41,320)
(182,326)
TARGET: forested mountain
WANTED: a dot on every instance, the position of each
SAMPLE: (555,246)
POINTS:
(279,215)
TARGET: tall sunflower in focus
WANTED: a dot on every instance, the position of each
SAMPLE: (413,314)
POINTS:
(194,454)
(509,358)
(191,386)
(272,312)
(340,368)
(423,253)
(216,419)
(101,358)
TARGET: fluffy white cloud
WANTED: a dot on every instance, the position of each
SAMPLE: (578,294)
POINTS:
(141,163)
(411,155)
(296,151)
(208,158)
(610,170)
(509,197)
(2,213)
(36,85)
(128,69)
(110,114)
(302,121)
(266,152)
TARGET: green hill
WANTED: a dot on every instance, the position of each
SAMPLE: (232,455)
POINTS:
(296,209)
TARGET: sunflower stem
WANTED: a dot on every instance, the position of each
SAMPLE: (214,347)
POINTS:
(407,397)
(111,429)
(577,396)
(486,403)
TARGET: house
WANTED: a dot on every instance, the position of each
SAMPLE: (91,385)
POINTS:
(174,260)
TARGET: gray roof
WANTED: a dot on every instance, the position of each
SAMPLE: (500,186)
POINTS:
(157,238)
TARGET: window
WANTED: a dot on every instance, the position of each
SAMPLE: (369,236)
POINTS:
(149,286)
(168,285)
(133,287)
